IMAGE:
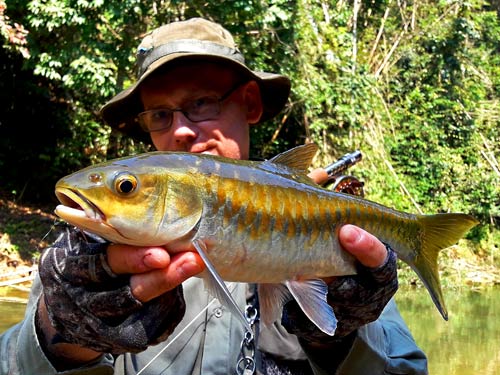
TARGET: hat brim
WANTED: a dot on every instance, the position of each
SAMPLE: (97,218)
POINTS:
(120,112)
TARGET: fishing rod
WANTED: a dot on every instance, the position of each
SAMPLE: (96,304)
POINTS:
(343,164)
(334,176)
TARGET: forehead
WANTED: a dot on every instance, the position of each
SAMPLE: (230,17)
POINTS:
(191,76)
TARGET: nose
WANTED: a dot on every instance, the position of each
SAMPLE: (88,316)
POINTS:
(184,131)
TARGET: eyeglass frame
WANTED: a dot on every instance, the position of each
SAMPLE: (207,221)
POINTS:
(218,101)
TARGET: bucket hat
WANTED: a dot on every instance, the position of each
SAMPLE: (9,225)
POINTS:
(194,39)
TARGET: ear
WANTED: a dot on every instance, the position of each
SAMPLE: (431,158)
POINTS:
(253,102)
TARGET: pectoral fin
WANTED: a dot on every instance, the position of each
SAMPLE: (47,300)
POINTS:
(216,286)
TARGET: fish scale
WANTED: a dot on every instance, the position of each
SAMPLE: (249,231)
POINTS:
(293,224)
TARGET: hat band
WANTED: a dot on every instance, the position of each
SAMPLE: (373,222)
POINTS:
(145,57)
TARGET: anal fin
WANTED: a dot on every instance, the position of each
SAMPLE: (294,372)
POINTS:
(272,297)
(311,297)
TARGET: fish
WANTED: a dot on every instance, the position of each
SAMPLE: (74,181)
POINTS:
(262,222)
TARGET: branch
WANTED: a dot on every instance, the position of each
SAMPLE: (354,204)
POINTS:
(491,158)
(389,54)
(357,6)
(380,31)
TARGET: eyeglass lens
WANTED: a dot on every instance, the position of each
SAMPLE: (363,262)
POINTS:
(197,110)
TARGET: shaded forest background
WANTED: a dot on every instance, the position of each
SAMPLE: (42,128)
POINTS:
(413,84)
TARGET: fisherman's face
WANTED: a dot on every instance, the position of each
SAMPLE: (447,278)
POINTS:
(183,87)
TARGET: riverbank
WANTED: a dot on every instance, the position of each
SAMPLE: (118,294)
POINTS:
(25,229)
(459,267)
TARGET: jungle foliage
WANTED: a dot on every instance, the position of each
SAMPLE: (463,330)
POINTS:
(413,84)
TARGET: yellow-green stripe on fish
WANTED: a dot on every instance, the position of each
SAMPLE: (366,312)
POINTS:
(260,222)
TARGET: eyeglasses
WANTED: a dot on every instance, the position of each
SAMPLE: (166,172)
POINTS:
(201,109)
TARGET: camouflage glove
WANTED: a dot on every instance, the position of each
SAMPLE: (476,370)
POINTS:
(91,306)
(356,300)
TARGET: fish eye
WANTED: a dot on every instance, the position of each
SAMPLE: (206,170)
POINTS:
(125,183)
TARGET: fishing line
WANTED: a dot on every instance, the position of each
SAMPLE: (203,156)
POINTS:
(180,333)
(57,222)
(52,227)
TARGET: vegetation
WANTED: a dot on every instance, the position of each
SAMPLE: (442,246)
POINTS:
(414,85)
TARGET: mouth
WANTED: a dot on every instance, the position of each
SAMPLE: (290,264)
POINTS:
(76,206)
(79,211)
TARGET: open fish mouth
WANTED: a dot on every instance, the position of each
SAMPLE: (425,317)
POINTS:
(79,211)
(75,208)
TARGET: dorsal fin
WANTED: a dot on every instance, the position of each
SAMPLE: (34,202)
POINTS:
(298,158)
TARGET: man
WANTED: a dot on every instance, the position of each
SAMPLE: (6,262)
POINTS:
(108,308)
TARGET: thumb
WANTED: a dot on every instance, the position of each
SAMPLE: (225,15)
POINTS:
(367,249)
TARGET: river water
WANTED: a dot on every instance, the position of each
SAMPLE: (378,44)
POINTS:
(468,344)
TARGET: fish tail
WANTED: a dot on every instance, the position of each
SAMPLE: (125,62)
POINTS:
(437,232)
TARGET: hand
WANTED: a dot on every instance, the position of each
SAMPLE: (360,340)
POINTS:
(356,300)
(96,304)
(153,270)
